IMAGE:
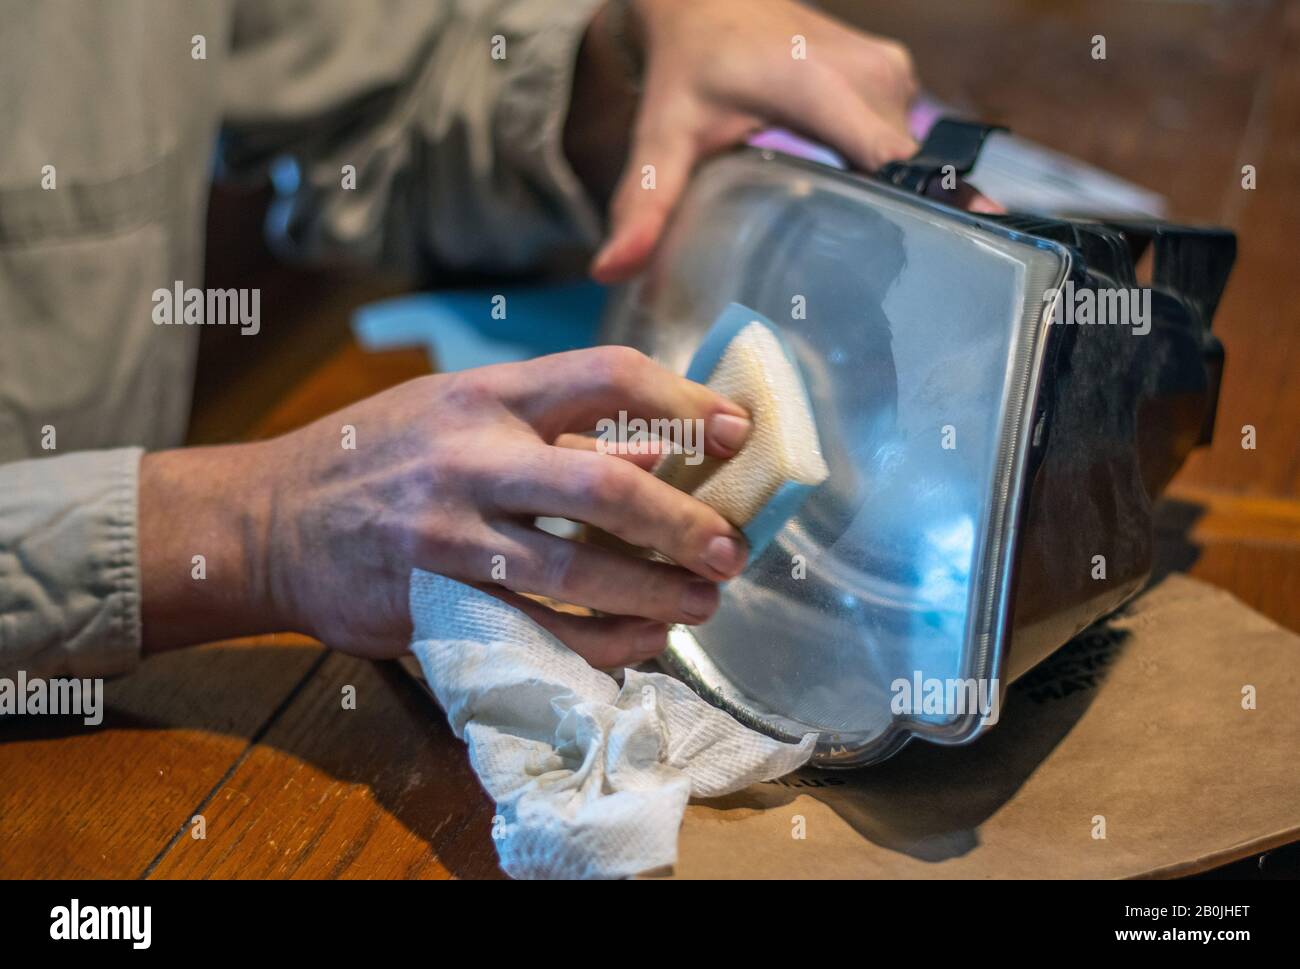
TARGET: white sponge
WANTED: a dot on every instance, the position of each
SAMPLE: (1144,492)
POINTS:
(762,486)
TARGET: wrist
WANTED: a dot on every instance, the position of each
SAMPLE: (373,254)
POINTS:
(204,520)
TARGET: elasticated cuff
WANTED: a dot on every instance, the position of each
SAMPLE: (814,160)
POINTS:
(70,565)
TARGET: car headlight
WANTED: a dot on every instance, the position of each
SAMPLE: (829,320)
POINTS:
(994,444)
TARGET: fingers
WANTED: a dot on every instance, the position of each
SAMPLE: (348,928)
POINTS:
(965,196)
(645,460)
(827,105)
(540,564)
(884,72)
(606,642)
(853,94)
(658,167)
(629,503)
(976,202)
(579,390)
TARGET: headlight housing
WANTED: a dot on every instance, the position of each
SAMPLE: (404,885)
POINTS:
(985,444)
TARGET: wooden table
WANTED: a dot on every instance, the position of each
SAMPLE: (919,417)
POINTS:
(253,736)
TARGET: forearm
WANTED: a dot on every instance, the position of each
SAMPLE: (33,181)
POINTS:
(204,515)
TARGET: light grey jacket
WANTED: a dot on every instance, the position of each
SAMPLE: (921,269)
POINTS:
(108,125)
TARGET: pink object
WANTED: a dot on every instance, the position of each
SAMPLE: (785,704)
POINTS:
(920,120)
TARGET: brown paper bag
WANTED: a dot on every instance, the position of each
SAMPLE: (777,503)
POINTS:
(1134,751)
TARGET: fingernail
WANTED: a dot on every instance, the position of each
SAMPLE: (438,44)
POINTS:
(729,431)
(986,206)
(724,555)
(699,600)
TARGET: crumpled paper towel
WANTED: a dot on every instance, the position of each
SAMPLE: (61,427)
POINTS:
(591,779)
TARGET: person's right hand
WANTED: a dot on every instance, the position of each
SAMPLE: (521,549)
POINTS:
(448,474)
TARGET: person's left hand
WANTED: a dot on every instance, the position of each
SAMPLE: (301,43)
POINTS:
(716,72)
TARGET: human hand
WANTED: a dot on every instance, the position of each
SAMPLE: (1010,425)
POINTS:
(447,474)
(716,72)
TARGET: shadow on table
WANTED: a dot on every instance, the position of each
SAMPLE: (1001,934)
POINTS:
(928,801)
(1174,549)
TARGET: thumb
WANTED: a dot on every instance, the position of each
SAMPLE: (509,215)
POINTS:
(658,167)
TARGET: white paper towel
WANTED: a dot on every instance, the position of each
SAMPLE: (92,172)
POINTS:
(590,779)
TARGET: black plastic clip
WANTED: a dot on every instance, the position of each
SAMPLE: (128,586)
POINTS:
(950,143)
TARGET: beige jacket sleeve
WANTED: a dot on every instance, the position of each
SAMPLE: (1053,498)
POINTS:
(427,135)
(69,574)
